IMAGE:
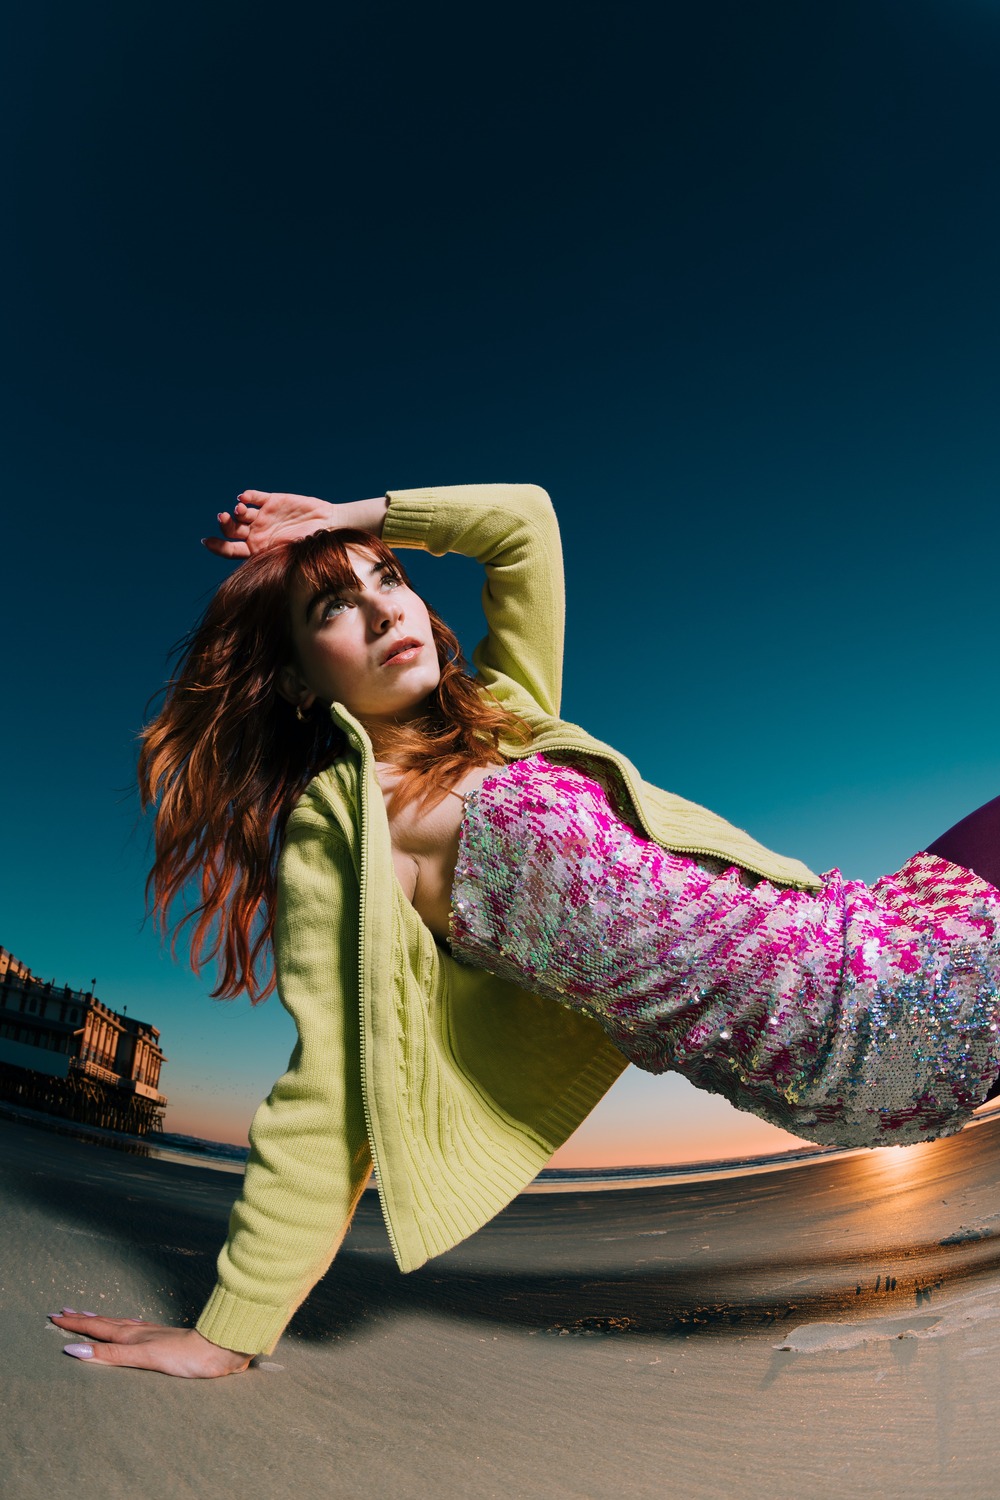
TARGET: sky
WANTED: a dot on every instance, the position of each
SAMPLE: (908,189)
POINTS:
(722,278)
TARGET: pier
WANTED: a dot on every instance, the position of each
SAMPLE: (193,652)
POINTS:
(65,1052)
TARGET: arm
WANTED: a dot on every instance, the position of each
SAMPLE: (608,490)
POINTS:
(511,529)
(309,1159)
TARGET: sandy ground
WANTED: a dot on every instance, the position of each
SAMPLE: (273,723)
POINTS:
(828,1331)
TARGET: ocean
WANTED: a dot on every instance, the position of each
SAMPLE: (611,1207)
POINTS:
(222,1156)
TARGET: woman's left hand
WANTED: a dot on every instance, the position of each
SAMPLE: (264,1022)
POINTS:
(262,517)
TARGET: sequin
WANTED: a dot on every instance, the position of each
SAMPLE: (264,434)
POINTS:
(854,1015)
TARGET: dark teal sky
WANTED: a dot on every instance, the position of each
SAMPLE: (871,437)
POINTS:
(722,278)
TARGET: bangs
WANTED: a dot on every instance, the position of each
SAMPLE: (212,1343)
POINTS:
(323,563)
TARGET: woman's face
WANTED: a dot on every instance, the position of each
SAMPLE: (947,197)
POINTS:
(368,646)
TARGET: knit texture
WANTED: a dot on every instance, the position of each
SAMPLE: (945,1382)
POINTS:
(460,1086)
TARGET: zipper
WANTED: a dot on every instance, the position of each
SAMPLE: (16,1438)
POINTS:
(609,759)
(362,902)
(558,744)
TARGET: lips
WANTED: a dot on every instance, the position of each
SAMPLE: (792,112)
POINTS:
(408,643)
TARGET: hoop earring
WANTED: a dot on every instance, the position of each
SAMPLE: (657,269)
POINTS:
(299,714)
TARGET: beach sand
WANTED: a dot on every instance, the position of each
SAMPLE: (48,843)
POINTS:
(831,1330)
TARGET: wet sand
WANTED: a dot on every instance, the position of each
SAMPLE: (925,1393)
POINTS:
(831,1330)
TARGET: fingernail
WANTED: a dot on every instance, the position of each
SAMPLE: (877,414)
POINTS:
(88,1315)
(70,1310)
(135,1320)
(79,1351)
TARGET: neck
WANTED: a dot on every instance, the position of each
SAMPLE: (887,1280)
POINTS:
(380,742)
(383,734)
(384,731)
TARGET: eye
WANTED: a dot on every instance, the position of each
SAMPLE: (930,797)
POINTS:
(332,608)
(393,580)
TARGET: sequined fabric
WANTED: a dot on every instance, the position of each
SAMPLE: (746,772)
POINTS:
(855,1016)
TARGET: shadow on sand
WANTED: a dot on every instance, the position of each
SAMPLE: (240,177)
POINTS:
(737,1254)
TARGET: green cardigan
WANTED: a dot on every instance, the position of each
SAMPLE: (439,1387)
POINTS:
(458,1086)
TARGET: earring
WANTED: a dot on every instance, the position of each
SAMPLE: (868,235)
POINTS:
(299,714)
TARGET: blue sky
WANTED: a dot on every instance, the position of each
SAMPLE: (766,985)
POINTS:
(722,278)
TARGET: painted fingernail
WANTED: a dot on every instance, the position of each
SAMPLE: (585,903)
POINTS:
(79,1351)
(70,1310)
(135,1320)
(88,1315)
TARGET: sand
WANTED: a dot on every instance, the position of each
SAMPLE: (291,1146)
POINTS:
(827,1331)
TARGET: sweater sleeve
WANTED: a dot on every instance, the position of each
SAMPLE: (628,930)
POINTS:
(309,1158)
(512,530)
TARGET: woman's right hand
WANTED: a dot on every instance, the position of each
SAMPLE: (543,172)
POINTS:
(261,518)
(139,1345)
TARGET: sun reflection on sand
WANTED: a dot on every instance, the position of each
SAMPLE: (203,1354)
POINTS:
(887,1169)
(899,1161)
(909,1165)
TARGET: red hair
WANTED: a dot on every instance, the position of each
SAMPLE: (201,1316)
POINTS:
(225,759)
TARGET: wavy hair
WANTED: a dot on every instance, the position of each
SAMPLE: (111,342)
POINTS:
(225,759)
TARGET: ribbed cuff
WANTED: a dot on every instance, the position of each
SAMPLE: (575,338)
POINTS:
(409,517)
(234,1323)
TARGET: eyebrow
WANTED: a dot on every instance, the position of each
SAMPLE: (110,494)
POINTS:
(332,592)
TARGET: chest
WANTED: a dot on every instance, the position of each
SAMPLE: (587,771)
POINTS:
(425,838)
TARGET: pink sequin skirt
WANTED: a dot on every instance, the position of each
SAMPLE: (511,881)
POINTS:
(855,1015)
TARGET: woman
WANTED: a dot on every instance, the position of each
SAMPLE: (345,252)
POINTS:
(454,857)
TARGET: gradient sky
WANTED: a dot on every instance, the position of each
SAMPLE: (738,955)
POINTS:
(722,278)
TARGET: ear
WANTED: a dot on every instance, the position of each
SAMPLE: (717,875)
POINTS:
(294,690)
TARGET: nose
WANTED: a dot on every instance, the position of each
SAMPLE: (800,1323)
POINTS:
(384,610)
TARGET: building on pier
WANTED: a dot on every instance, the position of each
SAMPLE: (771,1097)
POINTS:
(65,1052)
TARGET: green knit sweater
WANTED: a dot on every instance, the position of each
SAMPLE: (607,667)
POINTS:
(457,1085)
